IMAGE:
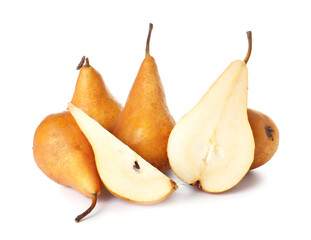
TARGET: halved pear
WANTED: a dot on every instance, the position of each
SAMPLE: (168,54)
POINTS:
(212,146)
(123,172)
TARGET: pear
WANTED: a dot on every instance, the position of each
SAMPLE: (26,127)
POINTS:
(62,151)
(92,95)
(266,135)
(145,122)
(64,154)
(212,146)
(124,173)
(265,131)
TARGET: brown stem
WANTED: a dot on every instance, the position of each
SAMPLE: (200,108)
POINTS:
(81,63)
(250,41)
(148,40)
(81,216)
(87,62)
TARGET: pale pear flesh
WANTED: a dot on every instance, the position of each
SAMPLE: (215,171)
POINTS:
(213,144)
(123,172)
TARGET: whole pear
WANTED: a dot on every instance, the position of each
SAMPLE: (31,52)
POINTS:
(60,148)
(266,135)
(92,95)
(145,122)
(64,154)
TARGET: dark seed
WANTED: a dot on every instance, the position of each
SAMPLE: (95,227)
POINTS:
(136,166)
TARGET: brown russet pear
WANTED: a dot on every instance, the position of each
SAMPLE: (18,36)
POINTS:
(266,135)
(60,148)
(145,122)
(93,97)
(265,132)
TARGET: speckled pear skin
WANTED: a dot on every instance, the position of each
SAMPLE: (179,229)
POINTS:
(145,122)
(92,95)
(64,154)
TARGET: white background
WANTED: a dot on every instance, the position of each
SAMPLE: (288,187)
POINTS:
(193,42)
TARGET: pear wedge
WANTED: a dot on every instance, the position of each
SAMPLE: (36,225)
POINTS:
(123,172)
(212,146)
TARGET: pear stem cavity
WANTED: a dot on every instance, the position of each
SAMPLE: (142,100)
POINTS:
(250,41)
(81,63)
(148,40)
(269,132)
(81,216)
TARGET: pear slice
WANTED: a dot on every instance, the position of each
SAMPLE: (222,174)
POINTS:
(123,172)
(212,146)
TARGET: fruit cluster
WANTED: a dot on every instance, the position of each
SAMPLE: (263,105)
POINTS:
(129,149)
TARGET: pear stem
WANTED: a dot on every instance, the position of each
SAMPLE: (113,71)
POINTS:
(87,62)
(81,63)
(148,40)
(250,44)
(81,216)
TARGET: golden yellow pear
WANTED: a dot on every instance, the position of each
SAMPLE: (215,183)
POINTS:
(145,122)
(92,95)
(60,148)
(64,154)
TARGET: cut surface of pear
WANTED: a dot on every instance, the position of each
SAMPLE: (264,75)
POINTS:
(213,145)
(123,172)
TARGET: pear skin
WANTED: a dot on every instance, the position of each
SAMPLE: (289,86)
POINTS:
(92,95)
(64,154)
(145,122)
(266,135)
